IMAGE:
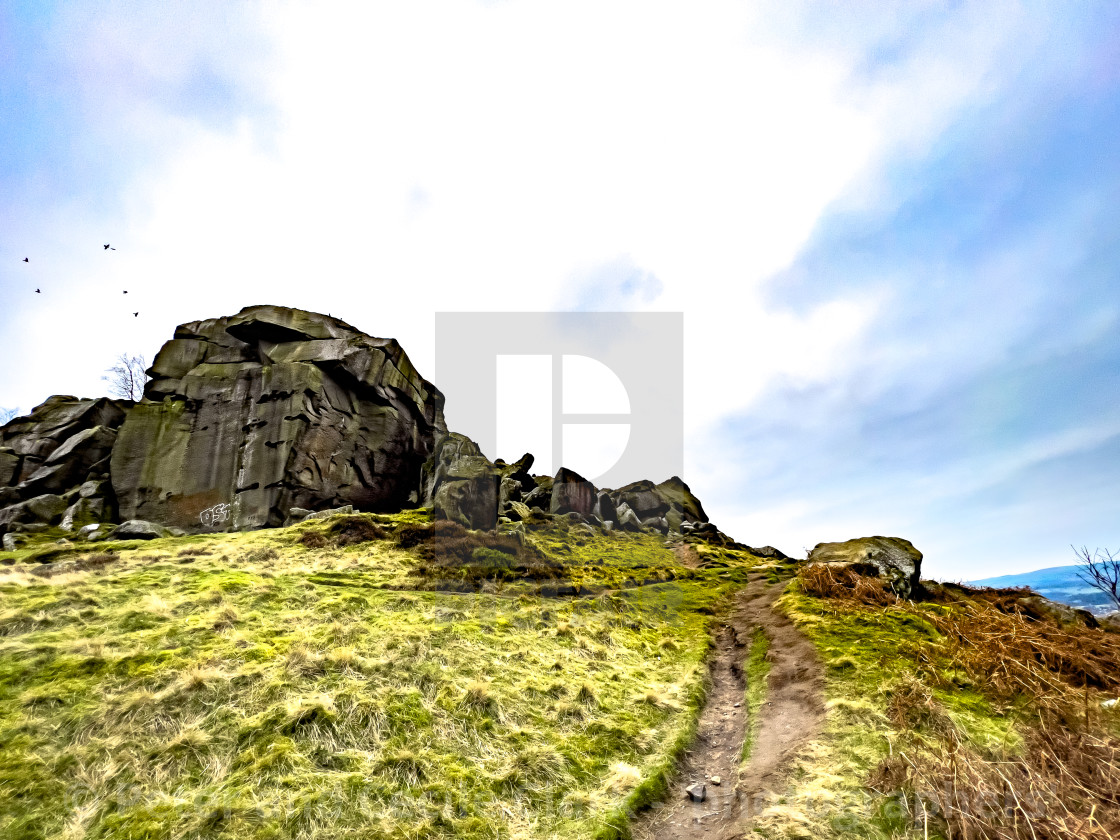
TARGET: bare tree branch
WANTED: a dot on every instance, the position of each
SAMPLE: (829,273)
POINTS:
(126,378)
(1101,571)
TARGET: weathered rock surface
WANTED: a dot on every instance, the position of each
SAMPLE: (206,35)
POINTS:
(571,492)
(461,483)
(895,558)
(666,506)
(769,551)
(139,529)
(60,446)
(327,514)
(250,415)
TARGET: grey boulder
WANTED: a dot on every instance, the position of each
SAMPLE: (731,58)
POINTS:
(895,559)
(139,529)
(461,484)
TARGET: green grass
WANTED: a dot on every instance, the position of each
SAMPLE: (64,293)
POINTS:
(755,672)
(249,686)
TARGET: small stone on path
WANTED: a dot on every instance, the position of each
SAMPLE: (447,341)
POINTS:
(696,792)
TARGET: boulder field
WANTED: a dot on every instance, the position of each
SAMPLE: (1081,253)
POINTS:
(463,485)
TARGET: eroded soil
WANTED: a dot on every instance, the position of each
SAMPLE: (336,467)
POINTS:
(791,715)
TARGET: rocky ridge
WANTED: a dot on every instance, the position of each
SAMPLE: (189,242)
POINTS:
(265,417)
(464,486)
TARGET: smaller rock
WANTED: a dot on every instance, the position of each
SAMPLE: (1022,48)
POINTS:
(47,508)
(627,519)
(696,792)
(769,551)
(715,780)
(540,498)
(519,511)
(138,529)
(326,514)
(10,542)
(605,507)
(90,488)
(87,531)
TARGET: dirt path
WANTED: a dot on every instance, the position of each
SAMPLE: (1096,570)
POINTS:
(792,713)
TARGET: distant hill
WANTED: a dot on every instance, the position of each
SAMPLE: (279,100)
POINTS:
(1058,583)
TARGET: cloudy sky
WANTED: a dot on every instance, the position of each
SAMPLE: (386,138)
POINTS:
(894,235)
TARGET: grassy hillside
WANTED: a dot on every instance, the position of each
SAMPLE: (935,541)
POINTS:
(359,677)
(340,679)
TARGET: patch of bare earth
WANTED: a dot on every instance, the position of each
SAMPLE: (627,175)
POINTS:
(791,715)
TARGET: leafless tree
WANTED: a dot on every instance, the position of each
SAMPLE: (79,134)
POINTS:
(126,378)
(1101,571)
(7,414)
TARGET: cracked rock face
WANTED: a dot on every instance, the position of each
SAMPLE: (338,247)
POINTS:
(54,462)
(250,415)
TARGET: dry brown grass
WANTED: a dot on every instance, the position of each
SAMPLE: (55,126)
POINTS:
(1065,786)
(1065,783)
(842,583)
(1010,653)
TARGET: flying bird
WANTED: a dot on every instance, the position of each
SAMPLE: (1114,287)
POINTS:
(109,248)
(38,292)
(135,314)
(25,259)
(125,292)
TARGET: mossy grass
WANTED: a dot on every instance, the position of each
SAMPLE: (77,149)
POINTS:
(249,685)
(755,672)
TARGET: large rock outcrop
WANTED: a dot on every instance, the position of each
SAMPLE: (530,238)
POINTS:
(273,414)
(250,415)
(54,464)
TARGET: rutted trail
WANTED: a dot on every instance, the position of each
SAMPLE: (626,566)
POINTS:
(792,713)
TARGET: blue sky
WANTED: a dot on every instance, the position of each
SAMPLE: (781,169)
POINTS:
(892,231)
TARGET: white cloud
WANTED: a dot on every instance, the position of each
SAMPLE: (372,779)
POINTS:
(392,160)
